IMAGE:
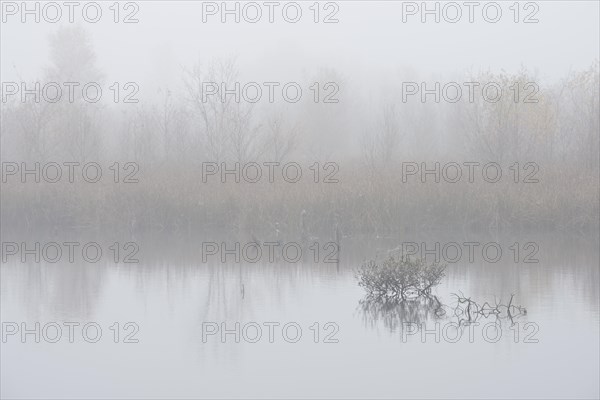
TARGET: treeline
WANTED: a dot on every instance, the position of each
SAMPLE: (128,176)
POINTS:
(543,137)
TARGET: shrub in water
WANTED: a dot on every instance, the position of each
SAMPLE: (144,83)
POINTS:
(399,278)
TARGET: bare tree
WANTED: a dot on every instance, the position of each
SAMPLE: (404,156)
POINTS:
(227,126)
(380,144)
(281,138)
(76,124)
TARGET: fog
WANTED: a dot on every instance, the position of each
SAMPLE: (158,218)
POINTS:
(358,169)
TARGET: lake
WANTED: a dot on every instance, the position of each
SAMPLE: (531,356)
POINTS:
(302,331)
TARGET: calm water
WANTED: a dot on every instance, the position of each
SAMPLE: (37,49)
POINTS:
(171,293)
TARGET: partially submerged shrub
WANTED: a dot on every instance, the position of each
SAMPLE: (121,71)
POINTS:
(399,278)
(468,311)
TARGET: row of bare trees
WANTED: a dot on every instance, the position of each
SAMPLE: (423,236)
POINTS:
(556,122)
(171,132)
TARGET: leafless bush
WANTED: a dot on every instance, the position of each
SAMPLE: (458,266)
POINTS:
(399,278)
(468,310)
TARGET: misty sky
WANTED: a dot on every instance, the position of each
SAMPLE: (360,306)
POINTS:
(369,40)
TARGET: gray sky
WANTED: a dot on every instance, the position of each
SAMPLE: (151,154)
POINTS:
(370,39)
